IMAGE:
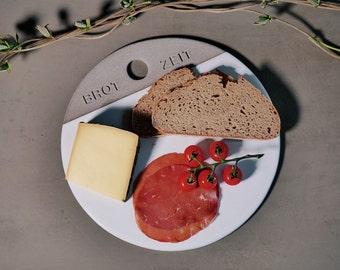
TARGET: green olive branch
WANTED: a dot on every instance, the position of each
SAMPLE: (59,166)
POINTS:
(327,48)
(131,9)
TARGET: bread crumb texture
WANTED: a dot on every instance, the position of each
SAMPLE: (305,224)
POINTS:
(142,112)
(210,106)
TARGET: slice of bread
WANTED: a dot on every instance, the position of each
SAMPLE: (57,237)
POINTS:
(141,113)
(211,105)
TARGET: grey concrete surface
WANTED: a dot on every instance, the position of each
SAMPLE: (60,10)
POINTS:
(43,227)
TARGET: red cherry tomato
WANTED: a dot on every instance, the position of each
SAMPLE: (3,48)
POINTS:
(194,155)
(218,150)
(187,181)
(232,175)
(206,179)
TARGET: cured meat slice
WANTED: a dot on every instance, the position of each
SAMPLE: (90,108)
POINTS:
(163,211)
(161,162)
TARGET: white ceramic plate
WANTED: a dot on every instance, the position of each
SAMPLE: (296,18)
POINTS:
(237,203)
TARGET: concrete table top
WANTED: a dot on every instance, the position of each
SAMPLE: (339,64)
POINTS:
(42,226)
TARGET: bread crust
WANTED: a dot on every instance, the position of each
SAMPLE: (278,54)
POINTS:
(142,111)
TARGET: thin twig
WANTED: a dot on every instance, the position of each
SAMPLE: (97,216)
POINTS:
(109,23)
(326,48)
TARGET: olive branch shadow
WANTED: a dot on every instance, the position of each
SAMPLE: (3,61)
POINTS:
(287,8)
(26,27)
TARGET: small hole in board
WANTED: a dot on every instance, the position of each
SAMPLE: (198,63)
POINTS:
(137,70)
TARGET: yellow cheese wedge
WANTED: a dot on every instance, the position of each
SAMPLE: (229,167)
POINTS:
(102,159)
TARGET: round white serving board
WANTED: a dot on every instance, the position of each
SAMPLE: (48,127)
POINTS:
(106,96)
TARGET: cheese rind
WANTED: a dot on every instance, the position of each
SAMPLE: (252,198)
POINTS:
(102,159)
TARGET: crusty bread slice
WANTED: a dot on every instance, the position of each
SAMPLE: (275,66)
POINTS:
(214,106)
(141,113)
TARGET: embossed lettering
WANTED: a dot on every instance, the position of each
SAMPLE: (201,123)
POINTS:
(175,60)
(87,98)
(101,92)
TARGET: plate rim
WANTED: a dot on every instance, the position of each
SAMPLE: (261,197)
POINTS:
(172,246)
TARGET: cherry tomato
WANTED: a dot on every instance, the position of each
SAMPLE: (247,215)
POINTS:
(187,181)
(232,175)
(218,150)
(194,155)
(206,179)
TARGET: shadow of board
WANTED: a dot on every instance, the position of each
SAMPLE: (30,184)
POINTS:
(282,97)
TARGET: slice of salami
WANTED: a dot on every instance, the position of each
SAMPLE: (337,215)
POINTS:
(166,213)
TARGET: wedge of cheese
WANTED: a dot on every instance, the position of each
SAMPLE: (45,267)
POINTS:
(102,159)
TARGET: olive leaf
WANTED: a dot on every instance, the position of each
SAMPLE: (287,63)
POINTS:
(266,3)
(127,3)
(264,19)
(84,25)
(44,31)
(5,66)
(128,20)
(9,42)
(315,3)
(3,48)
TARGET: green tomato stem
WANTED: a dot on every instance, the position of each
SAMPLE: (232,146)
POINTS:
(190,180)
(213,166)
(194,157)
(234,173)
